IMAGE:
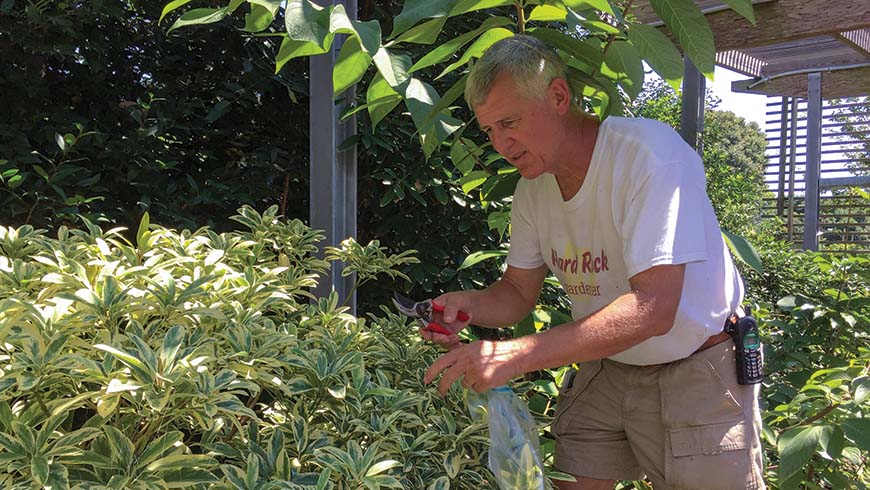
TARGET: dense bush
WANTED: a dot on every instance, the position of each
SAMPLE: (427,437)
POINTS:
(817,349)
(106,116)
(194,359)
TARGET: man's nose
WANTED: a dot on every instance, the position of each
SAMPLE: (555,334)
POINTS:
(501,142)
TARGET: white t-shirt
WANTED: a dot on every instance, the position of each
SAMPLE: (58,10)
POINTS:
(643,203)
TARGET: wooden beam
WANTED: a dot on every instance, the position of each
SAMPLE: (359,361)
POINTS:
(836,84)
(787,20)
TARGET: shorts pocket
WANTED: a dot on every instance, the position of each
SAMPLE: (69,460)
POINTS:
(707,446)
(573,385)
(709,457)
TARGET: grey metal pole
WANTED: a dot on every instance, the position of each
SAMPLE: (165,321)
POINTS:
(333,173)
(692,117)
(814,161)
(783,142)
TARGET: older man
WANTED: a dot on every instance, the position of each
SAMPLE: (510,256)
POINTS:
(618,212)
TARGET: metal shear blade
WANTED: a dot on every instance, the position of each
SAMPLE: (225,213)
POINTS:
(414,309)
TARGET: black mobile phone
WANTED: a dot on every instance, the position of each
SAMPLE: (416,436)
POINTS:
(747,350)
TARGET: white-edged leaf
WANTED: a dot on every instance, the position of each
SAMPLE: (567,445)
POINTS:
(382,466)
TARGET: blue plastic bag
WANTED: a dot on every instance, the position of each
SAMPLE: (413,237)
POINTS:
(514,450)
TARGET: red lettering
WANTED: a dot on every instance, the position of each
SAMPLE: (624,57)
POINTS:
(587,262)
(603,260)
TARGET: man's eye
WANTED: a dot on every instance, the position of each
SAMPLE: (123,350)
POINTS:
(509,123)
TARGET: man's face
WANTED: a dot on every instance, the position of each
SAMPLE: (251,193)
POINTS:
(522,130)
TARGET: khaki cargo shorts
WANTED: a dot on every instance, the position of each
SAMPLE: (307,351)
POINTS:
(685,424)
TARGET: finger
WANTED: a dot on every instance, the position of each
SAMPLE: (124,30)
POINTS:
(447,341)
(439,365)
(448,378)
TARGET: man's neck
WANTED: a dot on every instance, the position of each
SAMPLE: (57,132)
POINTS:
(579,148)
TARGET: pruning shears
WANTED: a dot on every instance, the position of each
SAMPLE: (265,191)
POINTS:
(422,310)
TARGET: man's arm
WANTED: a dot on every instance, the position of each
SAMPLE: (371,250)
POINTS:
(504,302)
(647,310)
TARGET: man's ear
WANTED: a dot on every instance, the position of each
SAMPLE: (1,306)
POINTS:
(559,94)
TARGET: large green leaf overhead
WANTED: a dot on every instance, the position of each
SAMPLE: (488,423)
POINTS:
(689,26)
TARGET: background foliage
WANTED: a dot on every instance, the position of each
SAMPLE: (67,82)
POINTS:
(110,116)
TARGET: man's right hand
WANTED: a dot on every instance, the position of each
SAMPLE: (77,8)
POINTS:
(453,303)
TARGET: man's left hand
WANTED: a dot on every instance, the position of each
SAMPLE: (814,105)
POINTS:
(481,365)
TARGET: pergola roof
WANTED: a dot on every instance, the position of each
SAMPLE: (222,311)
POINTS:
(791,38)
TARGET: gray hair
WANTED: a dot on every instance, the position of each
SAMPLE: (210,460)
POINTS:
(531,64)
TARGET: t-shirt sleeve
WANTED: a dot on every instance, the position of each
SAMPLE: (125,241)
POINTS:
(663,221)
(525,247)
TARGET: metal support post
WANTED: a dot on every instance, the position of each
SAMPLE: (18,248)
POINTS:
(333,173)
(692,118)
(814,161)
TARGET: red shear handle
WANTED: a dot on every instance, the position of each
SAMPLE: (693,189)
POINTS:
(461,316)
(434,327)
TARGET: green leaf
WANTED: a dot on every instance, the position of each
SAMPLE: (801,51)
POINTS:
(258,19)
(171,343)
(447,49)
(130,360)
(526,326)
(742,7)
(393,68)
(600,5)
(480,256)
(548,13)
(382,466)
(39,468)
(323,480)
(216,112)
(473,180)
(796,446)
(118,386)
(414,11)
(858,431)
(464,154)
(350,66)
(449,97)
(689,26)
(159,447)
(368,33)
(381,99)
(743,250)
(587,51)
(199,16)
(661,54)
(295,49)
(72,440)
(174,4)
(142,232)
(831,442)
(182,461)
(623,64)
(465,6)
(441,483)
(576,21)
(425,33)
(306,21)
(861,389)
(120,445)
(253,471)
(271,5)
(420,98)
(478,47)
